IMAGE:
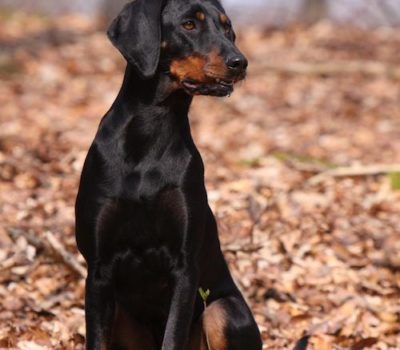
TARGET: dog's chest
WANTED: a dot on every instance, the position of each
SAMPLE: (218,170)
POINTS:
(152,229)
(144,241)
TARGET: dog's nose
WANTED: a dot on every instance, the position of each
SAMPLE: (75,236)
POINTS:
(237,64)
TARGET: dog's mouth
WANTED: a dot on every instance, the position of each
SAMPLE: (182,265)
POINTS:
(213,86)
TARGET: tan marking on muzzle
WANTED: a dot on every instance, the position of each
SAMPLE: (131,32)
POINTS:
(197,67)
(216,64)
(189,67)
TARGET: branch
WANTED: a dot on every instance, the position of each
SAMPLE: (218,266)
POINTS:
(67,258)
(53,247)
(356,170)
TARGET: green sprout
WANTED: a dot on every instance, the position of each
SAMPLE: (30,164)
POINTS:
(204,294)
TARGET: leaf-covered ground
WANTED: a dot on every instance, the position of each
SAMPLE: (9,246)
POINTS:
(313,255)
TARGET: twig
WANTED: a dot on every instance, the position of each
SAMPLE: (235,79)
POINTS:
(371,68)
(256,211)
(52,246)
(247,248)
(31,238)
(307,167)
(255,215)
(356,170)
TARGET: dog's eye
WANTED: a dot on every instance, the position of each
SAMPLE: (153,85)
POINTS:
(189,25)
(227,28)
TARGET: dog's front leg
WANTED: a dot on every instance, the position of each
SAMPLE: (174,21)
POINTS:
(99,309)
(193,202)
(181,310)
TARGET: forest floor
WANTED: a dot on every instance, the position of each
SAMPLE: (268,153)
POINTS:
(314,253)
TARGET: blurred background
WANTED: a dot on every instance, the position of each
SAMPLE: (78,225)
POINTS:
(302,167)
(364,13)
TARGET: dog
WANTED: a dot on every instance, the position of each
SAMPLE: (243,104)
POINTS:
(143,223)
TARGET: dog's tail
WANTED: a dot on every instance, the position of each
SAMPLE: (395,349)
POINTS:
(302,343)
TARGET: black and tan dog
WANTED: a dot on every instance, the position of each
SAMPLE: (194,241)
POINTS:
(143,223)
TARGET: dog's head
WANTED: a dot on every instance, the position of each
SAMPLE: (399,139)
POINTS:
(191,39)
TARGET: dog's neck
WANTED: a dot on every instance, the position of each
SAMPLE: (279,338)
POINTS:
(150,109)
(158,91)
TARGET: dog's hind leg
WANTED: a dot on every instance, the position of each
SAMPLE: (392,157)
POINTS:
(226,324)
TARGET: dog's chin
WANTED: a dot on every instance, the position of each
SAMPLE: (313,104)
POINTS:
(219,89)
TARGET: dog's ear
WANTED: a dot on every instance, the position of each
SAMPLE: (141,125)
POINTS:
(136,33)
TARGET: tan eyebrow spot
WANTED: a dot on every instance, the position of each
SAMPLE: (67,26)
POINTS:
(164,44)
(200,16)
(223,19)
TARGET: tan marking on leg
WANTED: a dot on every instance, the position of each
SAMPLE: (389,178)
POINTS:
(200,16)
(214,325)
